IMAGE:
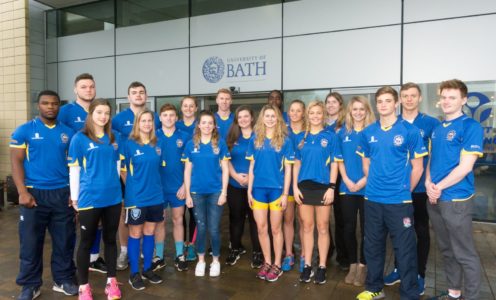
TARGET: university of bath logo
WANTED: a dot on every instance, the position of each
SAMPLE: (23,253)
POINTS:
(64,138)
(451,135)
(398,140)
(213,69)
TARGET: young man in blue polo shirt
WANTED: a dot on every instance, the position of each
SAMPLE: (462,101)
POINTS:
(38,151)
(74,114)
(456,145)
(223,116)
(410,98)
(392,152)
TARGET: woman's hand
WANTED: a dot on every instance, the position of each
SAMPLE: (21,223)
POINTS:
(329,197)
(189,201)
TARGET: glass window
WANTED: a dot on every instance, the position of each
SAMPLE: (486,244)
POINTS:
(95,16)
(205,7)
(136,12)
(305,96)
(174,100)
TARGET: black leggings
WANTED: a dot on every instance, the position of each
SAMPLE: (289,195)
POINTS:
(237,199)
(351,205)
(88,224)
(191,225)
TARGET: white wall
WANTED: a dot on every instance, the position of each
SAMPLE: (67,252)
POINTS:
(343,59)
(86,45)
(152,37)
(102,70)
(238,25)
(163,73)
(268,51)
(457,48)
(418,10)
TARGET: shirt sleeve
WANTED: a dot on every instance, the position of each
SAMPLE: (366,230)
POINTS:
(19,138)
(363,147)
(473,136)
(187,152)
(75,156)
(224,152)
(250,151)
(289,154)
(123,155)
(336,154)
(416,144)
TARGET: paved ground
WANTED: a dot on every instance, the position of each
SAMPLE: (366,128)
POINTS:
(236,282)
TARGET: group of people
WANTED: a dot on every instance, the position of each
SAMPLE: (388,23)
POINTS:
(119,175)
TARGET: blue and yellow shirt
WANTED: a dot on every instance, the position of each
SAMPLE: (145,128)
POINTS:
(450,140)
(352,161)
(45,164)
(318,151)
(188,129)
(143,183)
(172,174)
(268,170)
(206,172)
(73,116)
(426,125)
(238,159)
(390,150)
(123,122)
(223,125)
(99,181)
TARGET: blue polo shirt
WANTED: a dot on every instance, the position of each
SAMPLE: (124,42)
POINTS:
(73,116)
(188,129)
(143,183)
(223,125)
(123,122)
(45,164)
(390,151)
(450,140)
(238,159)
(268,170)
(352,161)
(99,181)
(206,172)
(172,174)
(426,125)
(318,151)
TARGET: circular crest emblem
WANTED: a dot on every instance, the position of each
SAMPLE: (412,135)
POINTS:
(179,143)
(213,69)
(324,143)
(64,138)
(216,150)
(451,135)
(158,150)
(398,140)
(135,213)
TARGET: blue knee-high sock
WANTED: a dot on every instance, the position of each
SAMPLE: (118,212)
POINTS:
(179,248)
(133,252)
(159,250)
(95,248)
(148,246)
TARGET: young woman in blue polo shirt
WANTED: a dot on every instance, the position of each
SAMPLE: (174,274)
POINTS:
(358,116)
(314,182)
(296,128)
(238,139)
(95,191)
(269,178)
(206,174)
(143,201)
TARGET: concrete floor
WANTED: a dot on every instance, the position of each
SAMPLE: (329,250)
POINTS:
(235,282)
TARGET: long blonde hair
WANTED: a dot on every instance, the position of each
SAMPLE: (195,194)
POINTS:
(135,133)
(369,116)
(197,133)
(324,118)
(280,130)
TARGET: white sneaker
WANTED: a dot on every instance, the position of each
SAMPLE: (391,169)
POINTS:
(215,269)
(200,269)
(122,261)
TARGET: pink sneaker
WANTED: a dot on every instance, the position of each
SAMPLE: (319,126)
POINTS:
(274,273)
(112,290)
(85,292)
(262,274)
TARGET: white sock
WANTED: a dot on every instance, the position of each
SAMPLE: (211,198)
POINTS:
(108,279)
(93,257)
(124,249)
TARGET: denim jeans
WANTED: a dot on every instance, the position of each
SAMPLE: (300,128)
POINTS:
(207,216)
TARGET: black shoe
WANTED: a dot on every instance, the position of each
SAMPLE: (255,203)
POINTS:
(152,277)
(180,263)
(320,276)
(306,274)
(344,266)
(136,282)
(29,293)
(98,265)
(233,257)
(158,263)
(257,260)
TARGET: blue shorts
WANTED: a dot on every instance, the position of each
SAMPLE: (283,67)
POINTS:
(140,215)
(170,199)
(266,198)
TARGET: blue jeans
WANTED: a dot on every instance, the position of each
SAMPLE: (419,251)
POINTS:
(207,216)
